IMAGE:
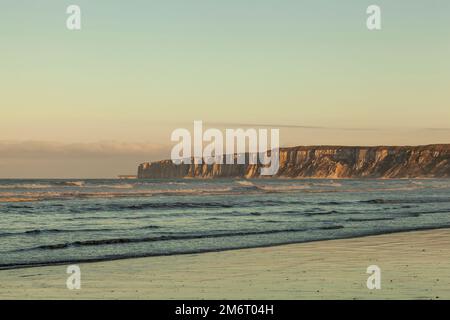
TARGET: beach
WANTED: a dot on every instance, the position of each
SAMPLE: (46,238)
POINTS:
(414,265)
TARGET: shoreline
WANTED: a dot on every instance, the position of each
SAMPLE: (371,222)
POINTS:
(414,264)
(118,258)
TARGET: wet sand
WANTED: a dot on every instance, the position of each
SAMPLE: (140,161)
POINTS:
(414,265)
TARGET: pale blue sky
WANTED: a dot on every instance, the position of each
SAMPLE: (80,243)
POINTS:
(139,69)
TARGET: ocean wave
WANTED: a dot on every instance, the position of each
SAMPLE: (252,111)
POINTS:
(187,205)
(63,184)
(44,185)
(368,219)
(245,186)
(334,203)
(405,200)
(4,265)
(149,205)
(71,183)
(332,227)
(320,213)
(67,195)
(157,238)
(114,241)
(25,186)
(327,184)
(91,185)
(17,206)
(87,192)
(35,232)
(271,187)
(245,183)
(283,188)
(108,186)
(117,207)
(18,199)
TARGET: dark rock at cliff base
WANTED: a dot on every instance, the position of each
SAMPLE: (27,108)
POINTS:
(431,161)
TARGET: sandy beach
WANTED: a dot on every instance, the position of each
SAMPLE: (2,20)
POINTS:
(414,265)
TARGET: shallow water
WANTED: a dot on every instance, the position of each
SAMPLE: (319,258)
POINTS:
(54,221)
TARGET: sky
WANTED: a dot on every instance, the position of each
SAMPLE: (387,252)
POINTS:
(95,103)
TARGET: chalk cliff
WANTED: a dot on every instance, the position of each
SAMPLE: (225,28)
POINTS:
(431,161)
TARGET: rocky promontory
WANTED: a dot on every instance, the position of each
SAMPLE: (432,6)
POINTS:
(430,161)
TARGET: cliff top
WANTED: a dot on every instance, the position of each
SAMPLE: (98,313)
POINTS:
(436,147)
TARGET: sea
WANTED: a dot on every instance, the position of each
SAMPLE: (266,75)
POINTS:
(46,222)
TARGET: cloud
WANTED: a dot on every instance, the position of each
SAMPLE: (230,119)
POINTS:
(287,126)
(48,159)
(299,126)
(102,149)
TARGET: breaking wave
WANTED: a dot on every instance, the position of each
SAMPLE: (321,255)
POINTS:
(169,238)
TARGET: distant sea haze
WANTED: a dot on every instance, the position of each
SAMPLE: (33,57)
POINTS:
(59,221)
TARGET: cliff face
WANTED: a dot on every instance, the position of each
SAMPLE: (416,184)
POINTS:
(432,161)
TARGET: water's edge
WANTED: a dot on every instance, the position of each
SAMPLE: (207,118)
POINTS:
(127,257)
